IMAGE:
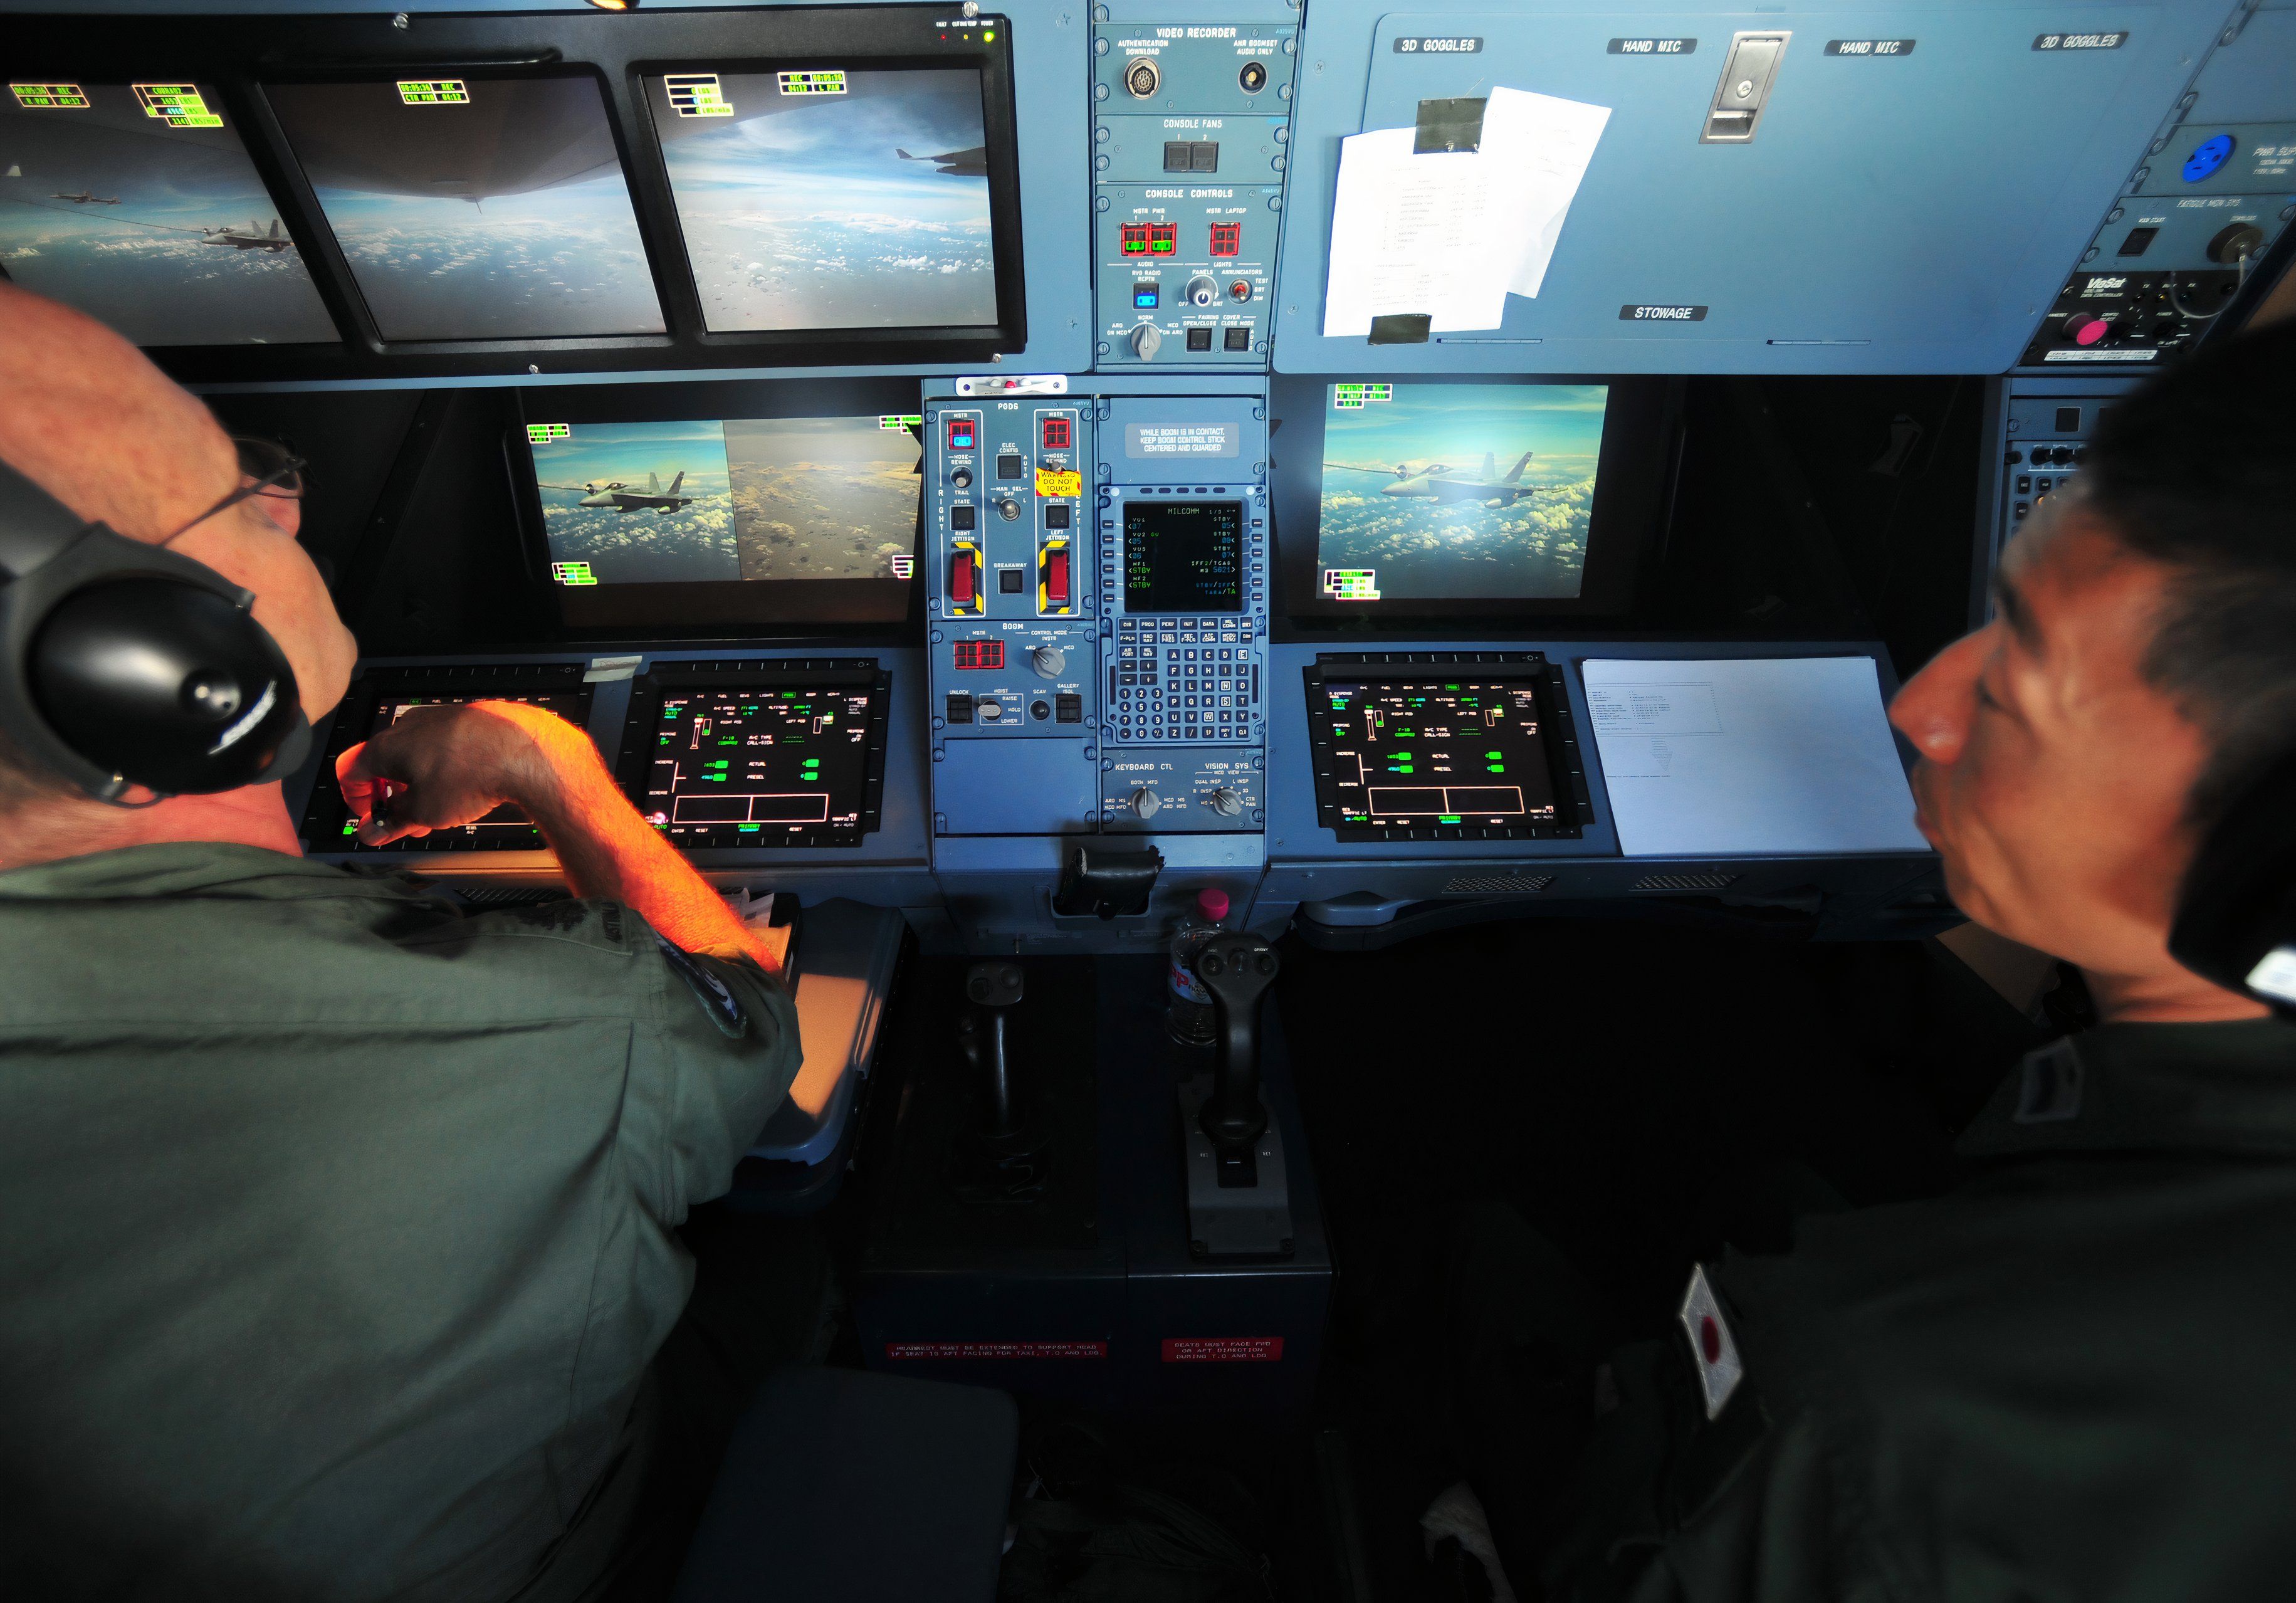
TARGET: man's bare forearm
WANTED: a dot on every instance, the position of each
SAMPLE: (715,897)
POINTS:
(606,850)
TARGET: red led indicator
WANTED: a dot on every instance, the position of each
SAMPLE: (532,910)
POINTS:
(980,653)
(960,434)
(1057,434)
(1227,239)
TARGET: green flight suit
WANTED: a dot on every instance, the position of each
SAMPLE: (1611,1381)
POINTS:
(2069,1378)
(340,1224)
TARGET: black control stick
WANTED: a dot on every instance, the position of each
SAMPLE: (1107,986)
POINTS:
(994,987)
(1237,969)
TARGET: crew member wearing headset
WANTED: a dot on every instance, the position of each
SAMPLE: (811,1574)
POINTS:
(2069,1376)
(341,1222)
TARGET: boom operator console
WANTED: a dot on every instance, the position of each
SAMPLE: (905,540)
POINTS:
(912,562)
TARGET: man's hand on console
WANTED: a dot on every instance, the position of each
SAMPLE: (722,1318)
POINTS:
(439,766)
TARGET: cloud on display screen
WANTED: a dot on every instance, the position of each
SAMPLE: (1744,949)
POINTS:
(1429,489)
(803,212)
(163,232)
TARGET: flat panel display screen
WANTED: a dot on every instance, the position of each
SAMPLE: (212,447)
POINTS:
(755,765)
(1438,491)
(137,204)
(475,208)
(329,825)
(832,198)
(802,500)
(1456,754)
(1184,556)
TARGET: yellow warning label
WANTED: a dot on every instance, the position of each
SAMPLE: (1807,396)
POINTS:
(1052,482)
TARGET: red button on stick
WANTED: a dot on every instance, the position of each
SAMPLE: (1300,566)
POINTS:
(1056,576)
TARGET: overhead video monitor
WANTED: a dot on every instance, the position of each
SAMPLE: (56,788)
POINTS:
(831,197)
(1422,497)
(760,756)
(137,204)
(475,208)
(801,519)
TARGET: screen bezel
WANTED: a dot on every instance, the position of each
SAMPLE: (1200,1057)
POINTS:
(633,758)
(1633,491)
(676,607)
(237,55)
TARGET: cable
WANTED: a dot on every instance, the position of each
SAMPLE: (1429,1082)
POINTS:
(105,217)
(2177,301)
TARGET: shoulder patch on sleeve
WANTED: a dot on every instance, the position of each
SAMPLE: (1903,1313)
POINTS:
(1712,1347)
(723,1007)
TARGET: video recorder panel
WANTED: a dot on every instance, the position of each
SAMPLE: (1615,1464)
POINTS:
(378,700)
(749,755)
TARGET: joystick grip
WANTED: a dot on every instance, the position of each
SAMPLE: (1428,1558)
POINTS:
(1237,969)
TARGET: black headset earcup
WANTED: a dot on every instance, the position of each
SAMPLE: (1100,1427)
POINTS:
(168,683)
(2237,906)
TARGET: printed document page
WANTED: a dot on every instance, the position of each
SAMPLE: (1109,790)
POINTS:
(1752,756)
(1453,233)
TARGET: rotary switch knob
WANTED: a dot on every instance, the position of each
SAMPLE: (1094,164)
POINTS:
(1147,340)
(961,478)
(1048,661)
(1201,292)
(1145,803)
(1224,802)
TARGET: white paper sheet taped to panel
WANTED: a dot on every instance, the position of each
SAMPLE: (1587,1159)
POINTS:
(1756,756)
(1452,235)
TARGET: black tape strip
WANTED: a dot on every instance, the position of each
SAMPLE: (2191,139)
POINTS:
(1400,328)
(1449,125)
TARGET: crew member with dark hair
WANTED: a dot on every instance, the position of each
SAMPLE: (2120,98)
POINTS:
(341,1224)
(2067,1377)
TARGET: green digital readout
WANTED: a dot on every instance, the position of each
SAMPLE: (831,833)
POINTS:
(812,82)
(433,92)
(49,97)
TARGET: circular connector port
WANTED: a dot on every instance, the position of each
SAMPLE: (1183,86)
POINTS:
(1141,78)
(1253,78)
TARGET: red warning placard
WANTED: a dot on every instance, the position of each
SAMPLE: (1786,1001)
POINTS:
(995,1349)
(1223,1349)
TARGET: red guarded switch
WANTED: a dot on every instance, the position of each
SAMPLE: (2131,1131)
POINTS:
(960,579)
(1056,578)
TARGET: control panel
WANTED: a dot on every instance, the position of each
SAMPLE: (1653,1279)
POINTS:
(1184,556)
(1013,629)
(2195,219)
(1190,136)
